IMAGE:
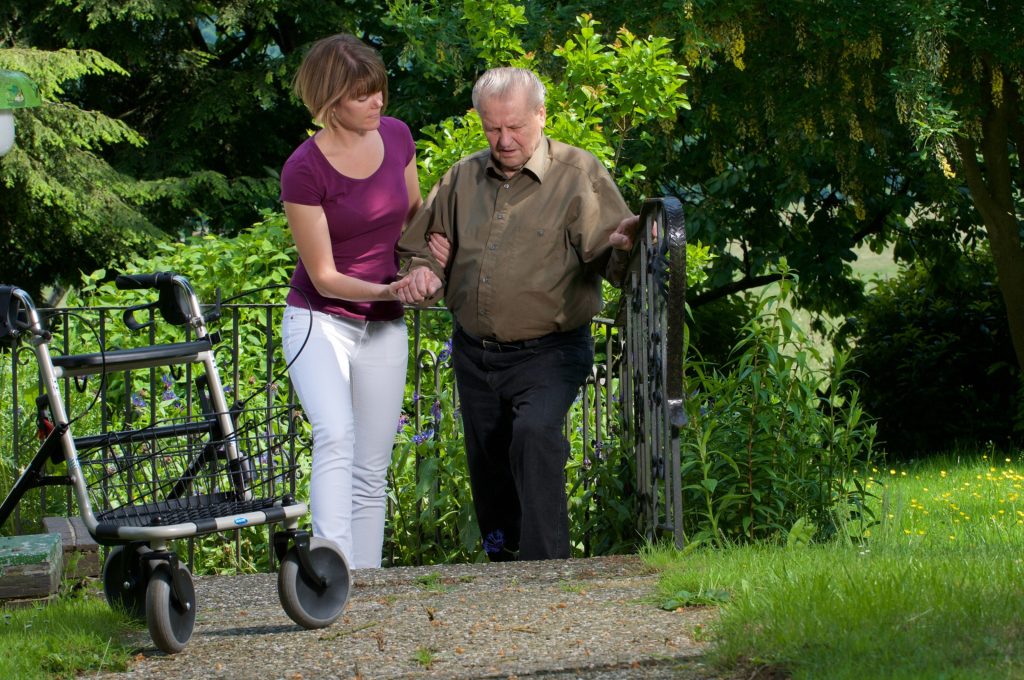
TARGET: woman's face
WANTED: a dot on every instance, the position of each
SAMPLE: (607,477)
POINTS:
(358,114)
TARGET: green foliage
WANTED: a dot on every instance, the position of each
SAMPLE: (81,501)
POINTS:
(63,208)
(933,357)
(773,443)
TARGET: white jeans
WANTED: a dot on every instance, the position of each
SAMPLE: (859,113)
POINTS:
(350,379)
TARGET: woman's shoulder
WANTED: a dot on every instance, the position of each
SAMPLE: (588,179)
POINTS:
(395,127)
(396,134)
(302,154)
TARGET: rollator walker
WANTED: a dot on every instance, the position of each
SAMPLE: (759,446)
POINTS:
(207,468)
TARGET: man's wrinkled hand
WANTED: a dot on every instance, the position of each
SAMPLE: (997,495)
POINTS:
(623,236)
(418,285)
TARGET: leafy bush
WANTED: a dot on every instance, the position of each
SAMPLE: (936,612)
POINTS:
(773,443)
(933,357)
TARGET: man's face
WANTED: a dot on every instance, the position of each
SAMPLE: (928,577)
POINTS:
(513,128)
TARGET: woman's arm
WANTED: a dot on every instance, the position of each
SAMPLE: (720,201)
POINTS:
(412,185)
(308,224)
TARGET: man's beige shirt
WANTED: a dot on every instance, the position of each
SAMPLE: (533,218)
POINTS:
(528,252)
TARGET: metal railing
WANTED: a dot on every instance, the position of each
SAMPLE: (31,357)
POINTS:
(634,394)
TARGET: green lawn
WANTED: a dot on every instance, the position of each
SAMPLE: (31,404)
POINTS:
(77,633)
(934,590)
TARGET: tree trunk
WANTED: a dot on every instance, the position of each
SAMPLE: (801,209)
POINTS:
(992,193)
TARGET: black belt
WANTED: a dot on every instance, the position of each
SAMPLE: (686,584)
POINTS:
(492,345)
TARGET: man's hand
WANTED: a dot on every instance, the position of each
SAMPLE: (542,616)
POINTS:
(440,248)
(416,286)
(622,237)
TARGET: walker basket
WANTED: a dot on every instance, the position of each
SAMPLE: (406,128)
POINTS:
(183,470)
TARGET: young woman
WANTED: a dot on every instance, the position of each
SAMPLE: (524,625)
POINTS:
(348,191)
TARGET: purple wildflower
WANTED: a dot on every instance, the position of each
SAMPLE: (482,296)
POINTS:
(495,542)
(138,401)
(421,437)
(403,420)
(446,352)
(435,411)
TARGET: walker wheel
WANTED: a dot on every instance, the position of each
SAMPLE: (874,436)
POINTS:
(302,598)
(124,579)
(170,621)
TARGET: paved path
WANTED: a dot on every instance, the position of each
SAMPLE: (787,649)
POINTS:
(589,618)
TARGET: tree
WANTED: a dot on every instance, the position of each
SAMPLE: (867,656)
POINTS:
(833,125)
(63,208)
(958,74)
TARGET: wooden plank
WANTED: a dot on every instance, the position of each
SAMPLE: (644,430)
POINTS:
(81,552)
(30,566)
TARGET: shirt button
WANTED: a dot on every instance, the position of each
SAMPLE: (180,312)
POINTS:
(506,185)
(492,246)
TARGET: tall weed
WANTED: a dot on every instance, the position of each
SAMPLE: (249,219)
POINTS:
(773,440)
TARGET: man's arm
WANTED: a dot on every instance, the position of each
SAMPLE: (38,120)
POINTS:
(422,273)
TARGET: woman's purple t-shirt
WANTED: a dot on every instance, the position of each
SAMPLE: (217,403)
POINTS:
(364,217)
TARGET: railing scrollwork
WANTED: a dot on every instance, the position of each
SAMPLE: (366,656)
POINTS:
(655,307)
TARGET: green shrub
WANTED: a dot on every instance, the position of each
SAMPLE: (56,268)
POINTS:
(774,444)
(934,359)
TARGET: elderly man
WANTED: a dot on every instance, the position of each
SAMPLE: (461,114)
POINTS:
(519,236)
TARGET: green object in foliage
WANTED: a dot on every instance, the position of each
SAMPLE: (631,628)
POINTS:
(17,91)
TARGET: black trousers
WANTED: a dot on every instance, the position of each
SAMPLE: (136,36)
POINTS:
(514,399)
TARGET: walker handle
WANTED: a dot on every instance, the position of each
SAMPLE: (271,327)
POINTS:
(134,281)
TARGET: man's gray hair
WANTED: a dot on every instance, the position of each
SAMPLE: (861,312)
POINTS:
(500,82)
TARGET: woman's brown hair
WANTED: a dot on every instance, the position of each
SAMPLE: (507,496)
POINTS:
(335,68)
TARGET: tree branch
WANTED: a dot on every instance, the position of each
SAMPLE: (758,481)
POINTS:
(735,287)
(237,49)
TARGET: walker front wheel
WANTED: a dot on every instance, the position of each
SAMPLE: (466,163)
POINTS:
(170,618)
(304,599)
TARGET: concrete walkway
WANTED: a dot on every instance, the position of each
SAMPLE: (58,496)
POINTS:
(588,618)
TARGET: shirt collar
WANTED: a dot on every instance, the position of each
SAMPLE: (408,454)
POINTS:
(536,167)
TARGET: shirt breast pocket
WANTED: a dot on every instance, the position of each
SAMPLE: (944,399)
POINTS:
(548,257)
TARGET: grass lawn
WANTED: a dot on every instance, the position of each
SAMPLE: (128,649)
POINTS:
(934,590)
(77,633)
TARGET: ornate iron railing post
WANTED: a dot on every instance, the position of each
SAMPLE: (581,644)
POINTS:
(652,377)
